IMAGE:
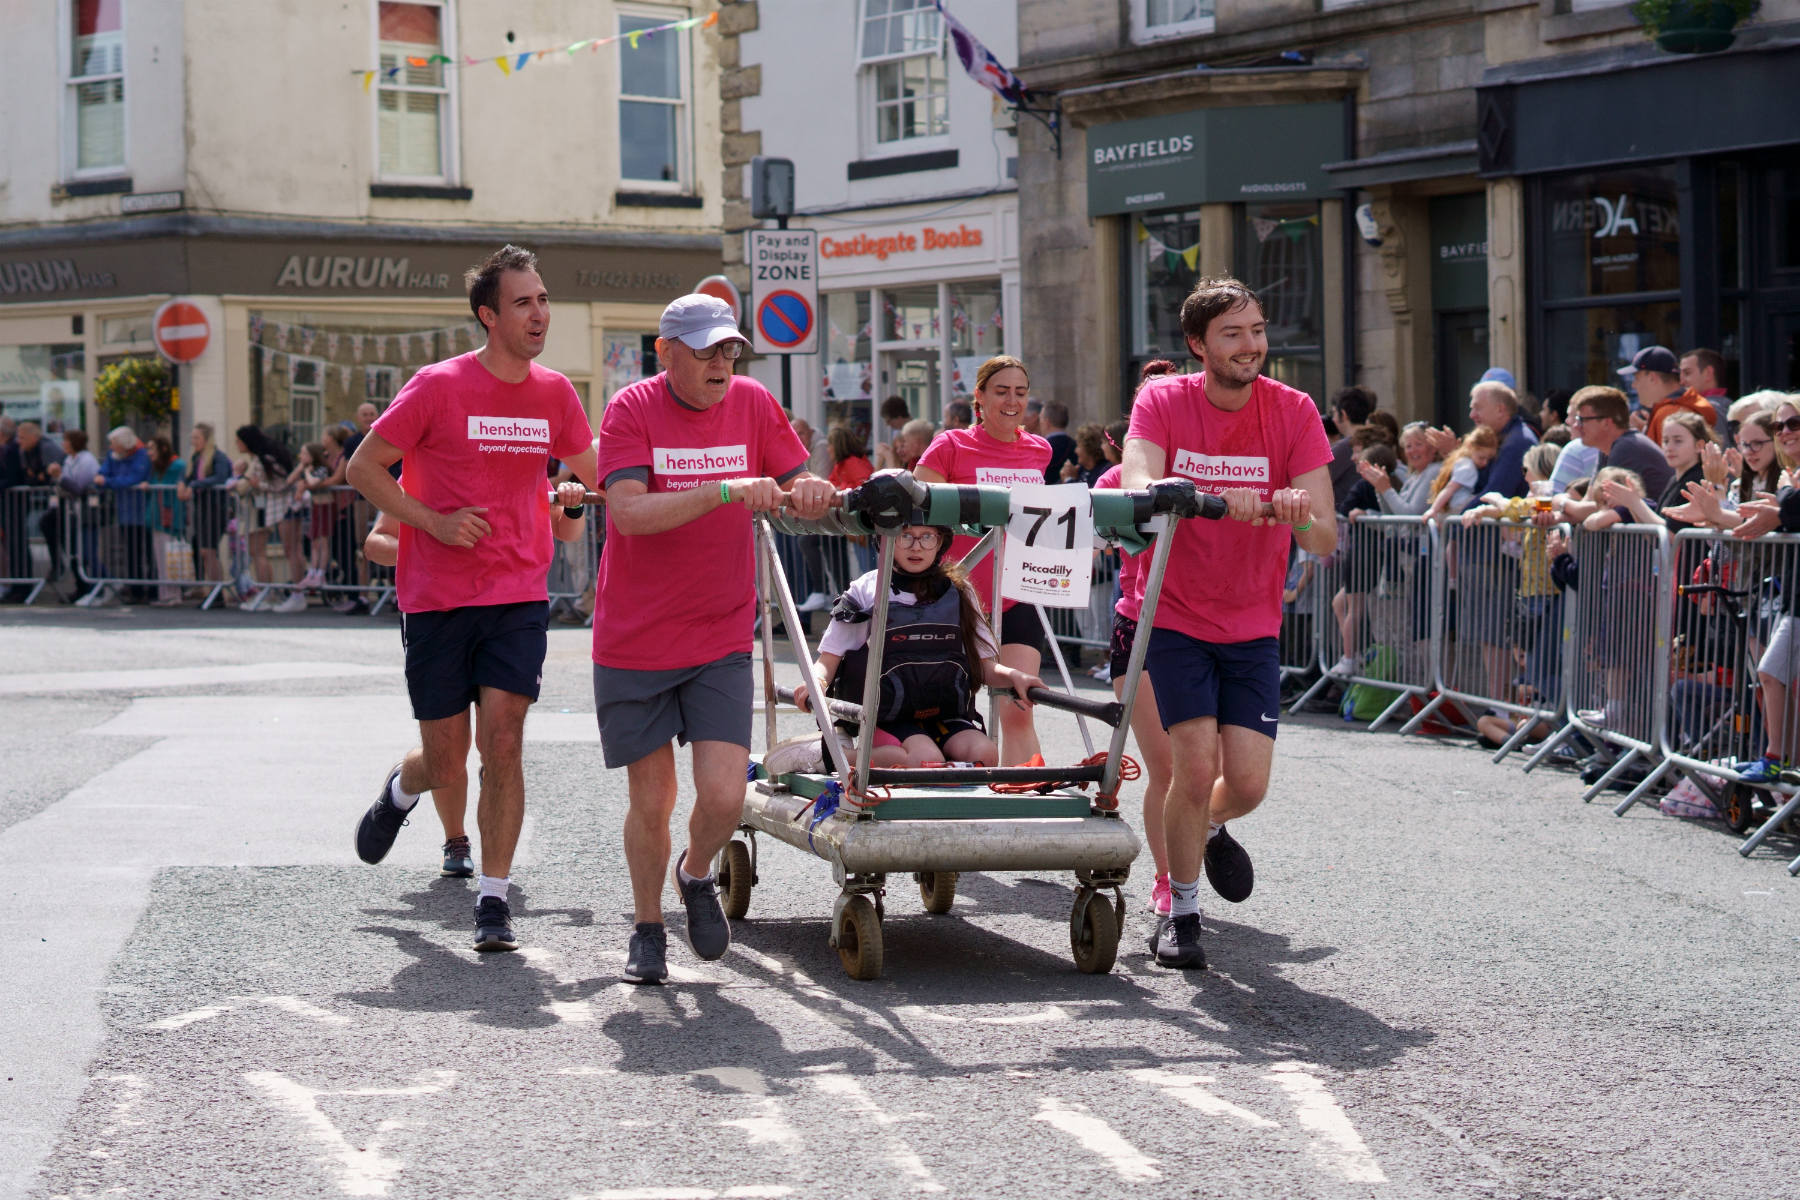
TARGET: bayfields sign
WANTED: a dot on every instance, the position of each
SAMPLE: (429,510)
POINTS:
(1213,156)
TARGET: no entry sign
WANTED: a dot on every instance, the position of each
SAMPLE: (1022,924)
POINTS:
(181,331)
(784,291)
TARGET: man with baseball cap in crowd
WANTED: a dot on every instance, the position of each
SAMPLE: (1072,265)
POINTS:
(1655,375)
(686,457)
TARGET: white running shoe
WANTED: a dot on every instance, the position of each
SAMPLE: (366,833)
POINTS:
(815,602)
(1345,665)
(100,597)
(295,602)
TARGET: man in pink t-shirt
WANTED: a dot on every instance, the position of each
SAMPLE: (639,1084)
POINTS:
(687,457)
(1213,653)
(477,432)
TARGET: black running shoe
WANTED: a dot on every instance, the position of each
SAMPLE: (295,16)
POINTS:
(1228,867)
(1177,943)
(459,862)
(648,959)
(493,925)
(376,832)
(707,929)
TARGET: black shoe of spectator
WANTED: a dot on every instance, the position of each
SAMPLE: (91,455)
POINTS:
(1228,868)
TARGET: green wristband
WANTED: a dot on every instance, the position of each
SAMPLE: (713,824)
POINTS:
(1305,527)
(724,491)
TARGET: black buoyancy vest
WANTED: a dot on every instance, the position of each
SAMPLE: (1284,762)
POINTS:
(924,667)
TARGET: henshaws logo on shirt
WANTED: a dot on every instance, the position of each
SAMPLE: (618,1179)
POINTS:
(509,429)
(1007,476)
(1223,470)
(702,460)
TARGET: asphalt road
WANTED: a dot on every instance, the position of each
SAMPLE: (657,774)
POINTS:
(1453,980)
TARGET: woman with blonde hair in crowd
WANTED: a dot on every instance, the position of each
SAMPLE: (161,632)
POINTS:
(1453,488)
(998,450)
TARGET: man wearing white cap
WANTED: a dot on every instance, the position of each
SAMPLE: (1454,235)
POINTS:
(686,457)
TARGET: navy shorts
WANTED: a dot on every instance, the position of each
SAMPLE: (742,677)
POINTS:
(1019,626)
(452,655)
(1239,683)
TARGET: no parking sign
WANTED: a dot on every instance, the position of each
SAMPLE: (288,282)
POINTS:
(784,291)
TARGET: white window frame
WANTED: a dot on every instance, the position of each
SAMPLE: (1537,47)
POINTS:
(71,140)
(869,93)
(1142,31)
(1576,6)
(449,143)
(683,183)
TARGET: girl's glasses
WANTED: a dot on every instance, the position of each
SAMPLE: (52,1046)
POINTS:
(1746,444)
(924,540)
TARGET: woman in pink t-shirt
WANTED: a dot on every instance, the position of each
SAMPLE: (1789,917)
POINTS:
(997,450)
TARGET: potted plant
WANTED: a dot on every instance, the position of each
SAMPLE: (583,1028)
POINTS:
(1693,26)
(134,389)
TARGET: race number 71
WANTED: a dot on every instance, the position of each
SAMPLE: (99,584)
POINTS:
(1049,545)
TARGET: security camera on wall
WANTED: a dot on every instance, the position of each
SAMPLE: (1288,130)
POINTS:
(1365,224)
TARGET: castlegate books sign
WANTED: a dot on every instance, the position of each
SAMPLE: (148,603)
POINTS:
(1245,154)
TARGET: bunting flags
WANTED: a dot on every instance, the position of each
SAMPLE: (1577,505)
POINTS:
(980,62)
(514,61)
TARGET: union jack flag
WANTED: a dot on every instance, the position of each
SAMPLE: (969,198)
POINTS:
(980,62)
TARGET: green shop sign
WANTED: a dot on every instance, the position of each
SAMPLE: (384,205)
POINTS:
(1245,154)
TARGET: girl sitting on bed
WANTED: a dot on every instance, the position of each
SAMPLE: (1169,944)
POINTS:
(938,643)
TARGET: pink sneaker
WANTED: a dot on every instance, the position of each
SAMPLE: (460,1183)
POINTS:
(1160,901)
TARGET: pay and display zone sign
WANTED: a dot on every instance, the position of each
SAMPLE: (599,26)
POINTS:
(784,290)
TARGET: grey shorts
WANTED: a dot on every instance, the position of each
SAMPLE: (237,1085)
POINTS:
(1779,659)
(639,711)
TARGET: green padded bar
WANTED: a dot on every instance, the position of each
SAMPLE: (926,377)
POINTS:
(950,803)
(975,508)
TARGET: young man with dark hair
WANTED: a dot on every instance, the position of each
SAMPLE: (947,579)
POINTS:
(1213,655)
(477,432)
(1703,371)
(1056,431)
(1655,376)
(1602,416)
(1350,409)
(687,455)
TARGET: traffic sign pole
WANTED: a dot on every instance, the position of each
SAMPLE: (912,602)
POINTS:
(787,360)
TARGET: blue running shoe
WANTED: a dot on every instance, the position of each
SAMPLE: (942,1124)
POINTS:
(376,832)
(459,859)
(1763,771)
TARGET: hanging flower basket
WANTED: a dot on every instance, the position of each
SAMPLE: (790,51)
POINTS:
(134,389)
(1693,26)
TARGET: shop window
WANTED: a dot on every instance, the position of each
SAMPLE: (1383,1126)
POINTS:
(96,88)
(1612,233)
(909,314)
(849,383)
(1784,218)
(1280,257)
(626,361)
(1155,19)
(1589,344)
(905,85)
(310,370)
(1608,272)
(43,383)
(413,103)
(653,101)
(977,332)
(1164,252)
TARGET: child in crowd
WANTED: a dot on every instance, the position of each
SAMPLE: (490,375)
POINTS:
(1454,488)
(315,475)
(939,649)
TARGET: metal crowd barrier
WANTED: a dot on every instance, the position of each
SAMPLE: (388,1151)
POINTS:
(1617,653)
(1501,624)
(1378,588)
(27,539)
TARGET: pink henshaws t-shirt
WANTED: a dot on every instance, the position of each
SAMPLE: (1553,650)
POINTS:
(685,596)
(469,438)
(976,456)
(1225,577)
(1131,566)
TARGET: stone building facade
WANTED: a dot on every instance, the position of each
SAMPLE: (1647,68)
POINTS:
(1540,187)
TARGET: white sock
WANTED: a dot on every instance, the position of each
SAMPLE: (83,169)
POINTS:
(1184,898)
(400,798)
(493,887)
(686,878)
(1212,829)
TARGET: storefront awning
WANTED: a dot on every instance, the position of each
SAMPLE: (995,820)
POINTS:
(1406,166)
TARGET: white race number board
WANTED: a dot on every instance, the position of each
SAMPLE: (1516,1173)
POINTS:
(1049,545)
